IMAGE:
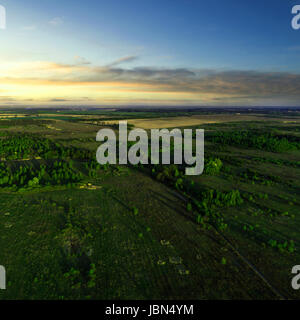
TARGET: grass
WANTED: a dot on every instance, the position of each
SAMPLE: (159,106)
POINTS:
(134,233)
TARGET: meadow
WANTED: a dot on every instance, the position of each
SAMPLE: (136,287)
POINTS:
(71,228)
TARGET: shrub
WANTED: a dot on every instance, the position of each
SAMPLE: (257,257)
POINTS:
(213,166)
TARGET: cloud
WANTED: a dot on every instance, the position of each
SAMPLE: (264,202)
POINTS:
(56,21)
(58,100)
(81,60)
(7,99)
(123,60)
(80,99)
(205,85)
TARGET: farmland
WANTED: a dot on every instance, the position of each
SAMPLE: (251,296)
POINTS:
(71,228)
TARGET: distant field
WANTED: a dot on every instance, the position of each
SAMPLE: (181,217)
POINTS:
(73,229)
(9,115)
(194,120)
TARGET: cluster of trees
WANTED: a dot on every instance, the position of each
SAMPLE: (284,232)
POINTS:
(221,199)
(208,203)
(62,172)
(170,175)
(16,147)
(24,147)
(92,167)
(212,166)
(24,122)
(253,139)
(57,173)
(174,174)
(204,199)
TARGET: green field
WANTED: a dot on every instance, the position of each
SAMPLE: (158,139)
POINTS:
(73,229)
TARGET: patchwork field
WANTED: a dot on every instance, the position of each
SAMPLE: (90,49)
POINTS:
(193,120)
(73,229)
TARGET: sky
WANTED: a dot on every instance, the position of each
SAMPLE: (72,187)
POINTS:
(149,52)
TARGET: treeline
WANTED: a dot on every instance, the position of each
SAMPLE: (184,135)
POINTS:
(26,147)
(93,167)
(24,122)
(253,139)
(56,173)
